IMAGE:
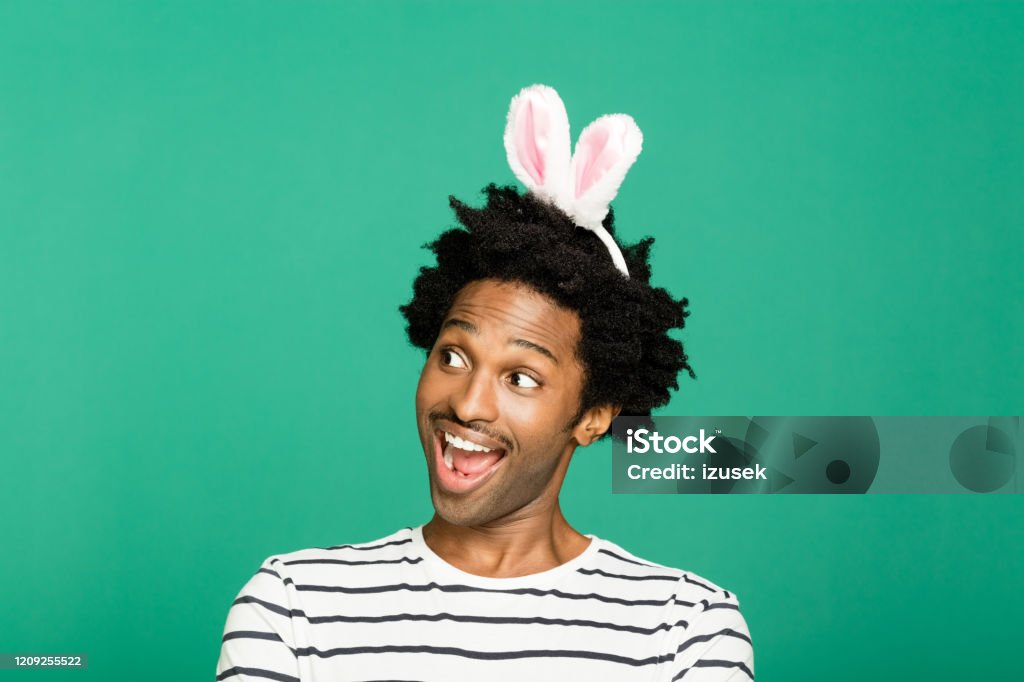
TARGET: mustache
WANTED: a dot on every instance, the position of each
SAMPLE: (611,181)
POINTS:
(472,426)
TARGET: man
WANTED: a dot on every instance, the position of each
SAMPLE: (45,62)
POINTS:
(535,341)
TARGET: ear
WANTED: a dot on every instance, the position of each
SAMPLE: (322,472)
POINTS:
(604,153)
(537,143)
(595,422)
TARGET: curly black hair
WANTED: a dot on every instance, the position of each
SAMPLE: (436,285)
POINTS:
(629,360)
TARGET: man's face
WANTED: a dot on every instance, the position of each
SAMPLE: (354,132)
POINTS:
(495,400)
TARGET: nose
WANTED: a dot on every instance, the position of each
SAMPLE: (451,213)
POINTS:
(475,400)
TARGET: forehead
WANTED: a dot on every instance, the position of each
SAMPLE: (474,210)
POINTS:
(518,309)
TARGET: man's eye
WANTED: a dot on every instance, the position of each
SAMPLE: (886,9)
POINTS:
(451,358)
(523,380)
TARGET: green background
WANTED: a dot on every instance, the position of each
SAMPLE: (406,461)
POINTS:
(209,213)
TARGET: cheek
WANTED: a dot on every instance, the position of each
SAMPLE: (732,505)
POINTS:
(536,422)
(423,387)
(522,414)
(431,386)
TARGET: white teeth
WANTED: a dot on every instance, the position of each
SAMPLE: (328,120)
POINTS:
(448,459)
(463,444)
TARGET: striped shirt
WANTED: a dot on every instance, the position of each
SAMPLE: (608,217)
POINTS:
(394,610)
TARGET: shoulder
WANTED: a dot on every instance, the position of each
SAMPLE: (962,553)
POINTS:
(708,637)
(688,588)
(321,564)
(388,545)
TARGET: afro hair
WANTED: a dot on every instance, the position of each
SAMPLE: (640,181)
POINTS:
(629,359)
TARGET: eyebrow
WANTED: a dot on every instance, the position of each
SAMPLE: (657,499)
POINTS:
(521,343)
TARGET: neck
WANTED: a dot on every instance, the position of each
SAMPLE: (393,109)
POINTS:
(509,547)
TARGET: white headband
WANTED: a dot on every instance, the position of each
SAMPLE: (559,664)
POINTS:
(581,185)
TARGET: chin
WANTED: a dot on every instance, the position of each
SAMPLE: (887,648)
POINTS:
(461,512)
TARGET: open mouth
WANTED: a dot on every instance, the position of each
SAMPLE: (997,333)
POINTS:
(463,464)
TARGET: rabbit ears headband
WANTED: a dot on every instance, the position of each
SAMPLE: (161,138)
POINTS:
(583,184)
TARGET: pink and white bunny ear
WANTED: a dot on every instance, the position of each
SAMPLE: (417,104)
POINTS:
(537,143)
(604,153)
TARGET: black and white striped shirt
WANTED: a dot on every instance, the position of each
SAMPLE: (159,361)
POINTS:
(394,610)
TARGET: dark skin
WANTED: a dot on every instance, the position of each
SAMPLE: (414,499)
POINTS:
(504,373)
